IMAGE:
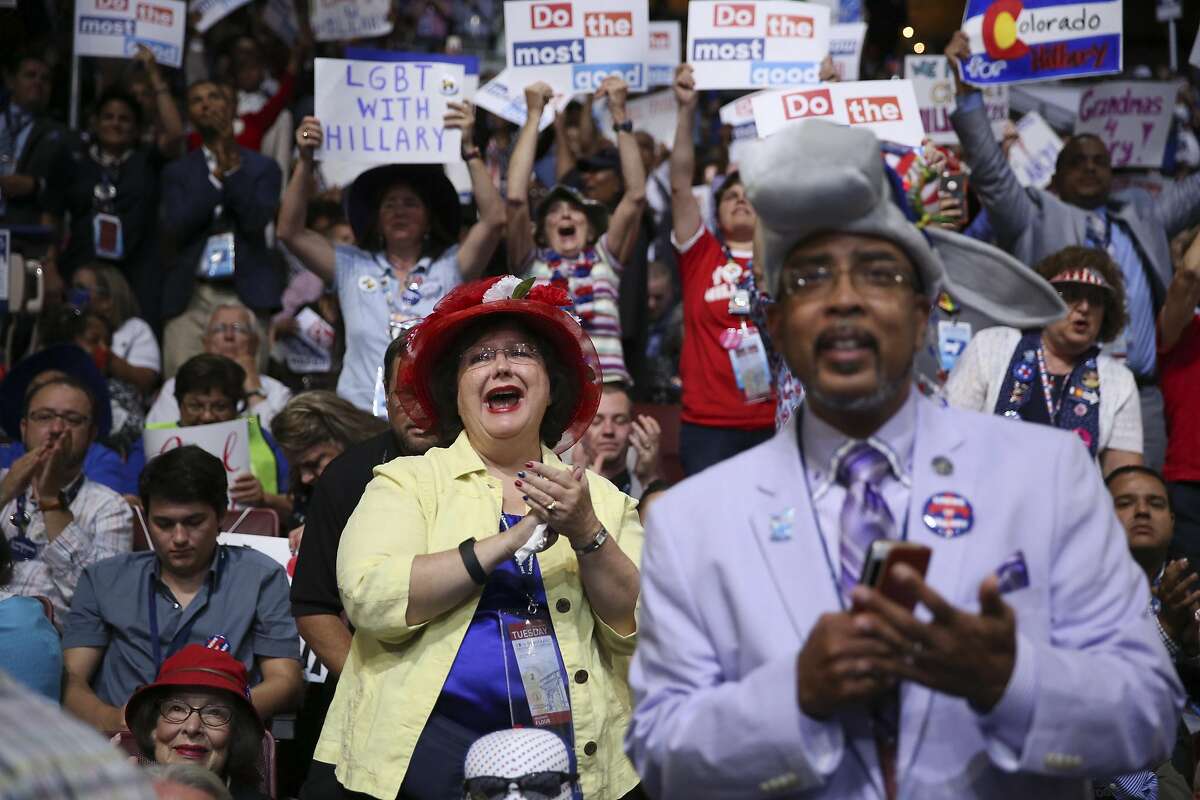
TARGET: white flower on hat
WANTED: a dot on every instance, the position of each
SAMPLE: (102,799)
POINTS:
(502,289)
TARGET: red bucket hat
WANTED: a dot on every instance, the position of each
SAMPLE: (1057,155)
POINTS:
(197,667)
(540,306)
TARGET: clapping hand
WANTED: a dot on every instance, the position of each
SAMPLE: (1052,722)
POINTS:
(560,497)
(645,438)
(1179,595)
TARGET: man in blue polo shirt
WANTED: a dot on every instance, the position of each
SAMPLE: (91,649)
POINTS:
(133,611)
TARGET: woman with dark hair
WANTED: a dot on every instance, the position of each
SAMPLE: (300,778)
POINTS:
(570,240)
(134,357)
(109,188)
(406,220)
(198,712)
(1057,375)
(484,577)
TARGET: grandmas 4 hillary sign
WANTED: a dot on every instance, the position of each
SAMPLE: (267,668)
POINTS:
(1016,41)
(387,112)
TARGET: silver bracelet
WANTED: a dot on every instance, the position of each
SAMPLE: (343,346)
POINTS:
(596,543)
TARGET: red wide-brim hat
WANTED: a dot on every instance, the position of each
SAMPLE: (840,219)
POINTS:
(197,667)
(540,306)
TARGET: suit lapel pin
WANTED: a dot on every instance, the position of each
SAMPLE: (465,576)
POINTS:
(781,525)
(942,466)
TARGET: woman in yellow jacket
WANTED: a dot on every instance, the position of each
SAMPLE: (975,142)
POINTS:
(490,586)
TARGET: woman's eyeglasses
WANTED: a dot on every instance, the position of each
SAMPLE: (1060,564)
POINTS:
(177,712)
(535,785)
(520,353)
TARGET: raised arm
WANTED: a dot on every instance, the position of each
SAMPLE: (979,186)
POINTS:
(626,219)
(481,240)
(314,250)
(1182,297)
(520,168)
(685,212)
(1008,204)
(170,133)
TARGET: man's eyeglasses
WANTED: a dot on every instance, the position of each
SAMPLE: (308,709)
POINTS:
(177,712)
(817,281)
(520,353)
(219,408)
(72,419)
(535,785)
(238,329)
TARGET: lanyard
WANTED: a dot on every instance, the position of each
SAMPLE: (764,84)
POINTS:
(12,132)
(181,635)
(411,294)
(1052,407)
(812,505)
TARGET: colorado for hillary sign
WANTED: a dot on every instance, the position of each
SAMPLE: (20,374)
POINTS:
(933,83)
(1017,41)
(756,44)
(115,28)
(573,45)
(888,108)
(387,112)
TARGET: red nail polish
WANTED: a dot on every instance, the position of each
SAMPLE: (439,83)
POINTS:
(516,483)
(529,463)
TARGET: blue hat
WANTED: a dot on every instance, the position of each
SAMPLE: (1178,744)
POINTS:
(67,358)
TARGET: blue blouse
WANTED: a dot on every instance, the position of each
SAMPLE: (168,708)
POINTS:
(485,675)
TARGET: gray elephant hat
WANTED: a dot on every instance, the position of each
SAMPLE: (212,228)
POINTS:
(816,177)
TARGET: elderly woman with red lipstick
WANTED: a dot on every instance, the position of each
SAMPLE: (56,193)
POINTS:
(198,712)
(490,586)
(1057,376)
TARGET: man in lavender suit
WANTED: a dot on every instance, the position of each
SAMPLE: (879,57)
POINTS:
(764,670)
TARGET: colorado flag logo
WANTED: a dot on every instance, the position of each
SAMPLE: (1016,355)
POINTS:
(1016,41)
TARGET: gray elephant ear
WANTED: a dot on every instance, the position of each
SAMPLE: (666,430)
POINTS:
(991,283)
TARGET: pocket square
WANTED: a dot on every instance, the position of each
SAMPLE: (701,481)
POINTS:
(1013,573)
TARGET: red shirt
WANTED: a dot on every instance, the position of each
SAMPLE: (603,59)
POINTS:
(710,392)
(1180,384)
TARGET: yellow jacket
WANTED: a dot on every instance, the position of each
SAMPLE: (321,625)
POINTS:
(395,671)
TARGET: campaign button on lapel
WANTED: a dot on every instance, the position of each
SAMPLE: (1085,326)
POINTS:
(942,465)
(948,514)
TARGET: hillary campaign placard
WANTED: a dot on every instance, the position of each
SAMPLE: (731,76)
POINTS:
(845,48)
(888,108)
(573,45)
(504,96)
(933,83)
(1033,155)
(213,11)
(756,44)
(655,113)
(1018,41)
(387,112)
(228,441)
(1133,118)
(115,28)
(662,56)
(332,20)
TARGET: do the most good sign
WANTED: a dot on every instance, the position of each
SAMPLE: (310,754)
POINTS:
(573,45)
(387,112)
(888,108)
(756,44)
(115,28)
(1015,41)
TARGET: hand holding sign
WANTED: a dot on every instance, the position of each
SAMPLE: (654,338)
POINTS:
(685,87)
(461,117)
(958,51)
(247,490)
(617,91)
(537,97)
(308,137)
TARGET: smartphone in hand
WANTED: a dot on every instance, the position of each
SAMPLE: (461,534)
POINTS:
(884,556)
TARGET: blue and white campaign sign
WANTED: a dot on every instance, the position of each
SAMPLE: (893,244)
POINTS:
(666,41)
(386,111)
(845,48)
(504,96)
(573,45)
(888,108)
(213,11)
(1020,41)
(756,44)
(115,28)
(334,20)
(1033,155)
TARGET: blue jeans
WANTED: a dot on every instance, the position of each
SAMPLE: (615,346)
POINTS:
(701,446)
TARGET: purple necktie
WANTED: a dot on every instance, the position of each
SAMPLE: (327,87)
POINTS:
(865,515)
(865,518)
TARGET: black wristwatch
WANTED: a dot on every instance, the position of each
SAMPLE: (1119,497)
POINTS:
(626,126)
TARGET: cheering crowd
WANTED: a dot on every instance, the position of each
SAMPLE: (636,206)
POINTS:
(624,468)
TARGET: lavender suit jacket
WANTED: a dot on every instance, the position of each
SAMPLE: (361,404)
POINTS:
(726,607)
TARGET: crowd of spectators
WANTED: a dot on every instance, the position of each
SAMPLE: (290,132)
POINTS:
(199,266)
